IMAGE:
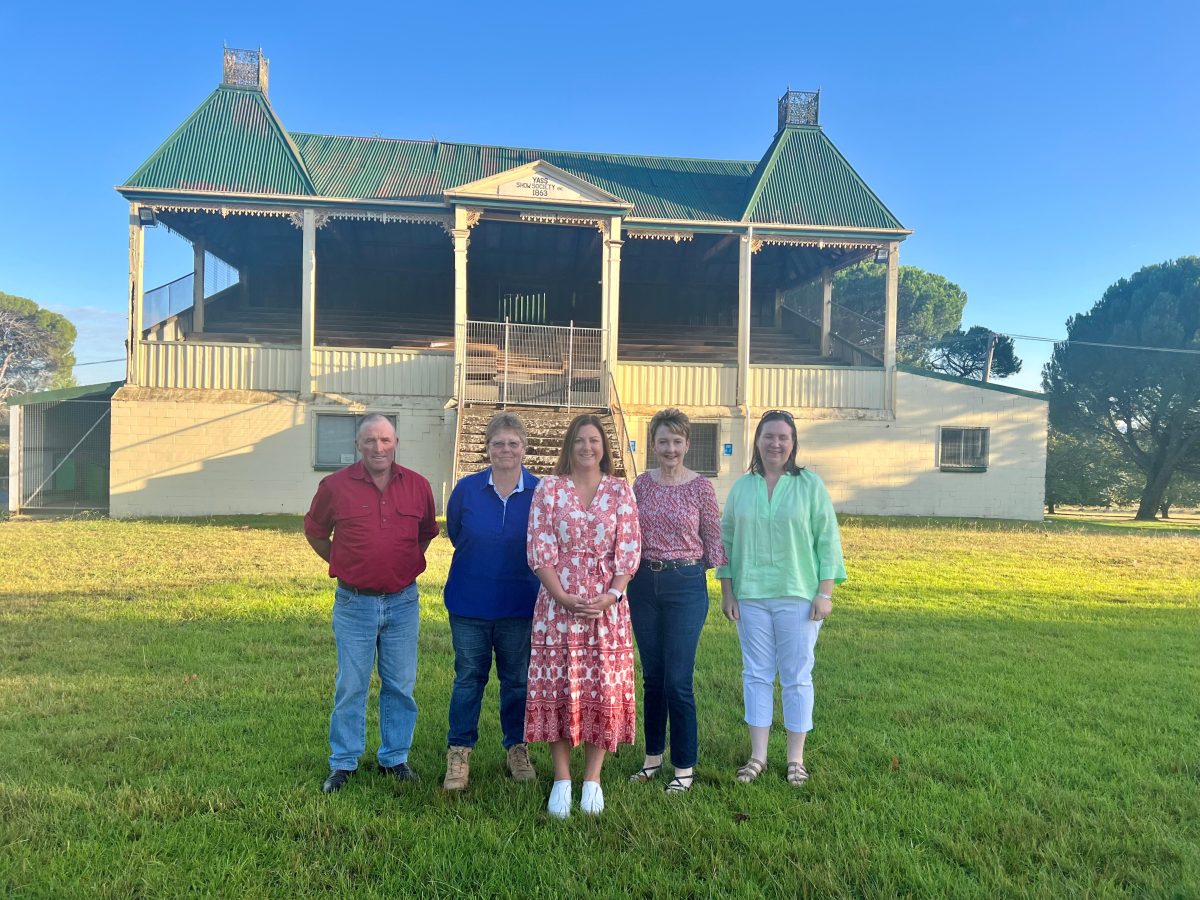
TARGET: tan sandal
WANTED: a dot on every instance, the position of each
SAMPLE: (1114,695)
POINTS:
(796,774)
(751,770)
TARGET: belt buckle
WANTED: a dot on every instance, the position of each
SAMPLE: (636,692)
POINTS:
(656,565)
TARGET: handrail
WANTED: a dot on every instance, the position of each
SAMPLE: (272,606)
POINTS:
(619,416)
(460,412)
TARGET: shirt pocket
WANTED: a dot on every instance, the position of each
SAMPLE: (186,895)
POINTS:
(352,517)
(404,522)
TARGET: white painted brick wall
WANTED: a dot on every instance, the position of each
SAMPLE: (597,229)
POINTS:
(188,456)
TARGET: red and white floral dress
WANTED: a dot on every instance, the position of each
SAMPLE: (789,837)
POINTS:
(581,670)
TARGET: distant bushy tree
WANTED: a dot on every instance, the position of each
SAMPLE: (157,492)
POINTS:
(964,353)
(1086,470)
(1147,403)
(927,305)
(35,348)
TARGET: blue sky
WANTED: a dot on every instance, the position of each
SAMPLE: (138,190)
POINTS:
(1039,151)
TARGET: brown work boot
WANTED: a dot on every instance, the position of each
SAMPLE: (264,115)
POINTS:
(458,768)
(519,764)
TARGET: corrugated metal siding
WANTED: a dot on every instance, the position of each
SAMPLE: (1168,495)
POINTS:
(384,372)
(658,187)
(816,387)
(805,180)
(672,384)
(222,367)
(232,142)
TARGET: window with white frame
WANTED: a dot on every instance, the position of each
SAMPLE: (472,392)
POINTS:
(703,455)
(964,449)
(335,440)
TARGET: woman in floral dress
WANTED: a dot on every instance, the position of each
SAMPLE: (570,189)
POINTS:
(584,545)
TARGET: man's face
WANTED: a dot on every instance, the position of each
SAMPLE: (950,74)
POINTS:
(377,446)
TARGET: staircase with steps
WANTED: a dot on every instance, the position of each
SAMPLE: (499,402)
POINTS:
(546,426)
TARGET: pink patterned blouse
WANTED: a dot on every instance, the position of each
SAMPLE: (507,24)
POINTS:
(679,521)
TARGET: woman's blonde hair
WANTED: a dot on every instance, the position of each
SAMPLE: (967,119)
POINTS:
(563,466)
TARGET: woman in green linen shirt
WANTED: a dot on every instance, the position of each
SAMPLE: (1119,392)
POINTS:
(785,556)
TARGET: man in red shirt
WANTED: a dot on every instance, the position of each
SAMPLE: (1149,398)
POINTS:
(382,518)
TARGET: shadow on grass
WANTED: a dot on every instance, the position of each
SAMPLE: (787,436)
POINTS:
(1050,525)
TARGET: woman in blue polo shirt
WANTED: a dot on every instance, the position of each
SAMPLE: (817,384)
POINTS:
(490,594)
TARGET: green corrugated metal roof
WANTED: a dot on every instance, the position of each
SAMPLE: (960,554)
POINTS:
(386,169)
(803,179)
(79,392)
(232,143)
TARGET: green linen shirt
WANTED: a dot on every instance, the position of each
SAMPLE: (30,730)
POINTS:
(782,547)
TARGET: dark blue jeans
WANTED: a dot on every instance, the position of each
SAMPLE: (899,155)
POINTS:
(668,610)
(475,640)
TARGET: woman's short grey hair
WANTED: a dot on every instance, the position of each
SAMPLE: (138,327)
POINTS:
(506,421)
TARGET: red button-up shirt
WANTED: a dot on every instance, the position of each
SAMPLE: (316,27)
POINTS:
(377,535)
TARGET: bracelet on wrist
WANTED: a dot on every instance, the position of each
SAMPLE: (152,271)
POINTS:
(821,596)
(618,594)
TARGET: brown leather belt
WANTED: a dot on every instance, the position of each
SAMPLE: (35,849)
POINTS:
(366,592)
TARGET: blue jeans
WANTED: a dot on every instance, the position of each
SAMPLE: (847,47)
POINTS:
(474,642)
(365,628)
(668,610)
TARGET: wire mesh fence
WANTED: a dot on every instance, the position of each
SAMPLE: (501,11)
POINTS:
(539,365)
(64,455)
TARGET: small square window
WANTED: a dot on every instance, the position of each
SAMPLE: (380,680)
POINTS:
(335,440)
(703,454)
(964,449)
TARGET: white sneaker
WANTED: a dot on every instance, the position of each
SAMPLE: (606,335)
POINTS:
(560,799)
(592,800)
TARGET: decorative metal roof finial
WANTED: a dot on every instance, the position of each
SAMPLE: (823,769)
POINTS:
(799,108)
(245,68)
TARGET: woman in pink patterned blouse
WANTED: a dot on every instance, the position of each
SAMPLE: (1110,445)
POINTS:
(668,598)
(583,544)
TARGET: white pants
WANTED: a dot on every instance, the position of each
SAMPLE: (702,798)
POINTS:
(777,636)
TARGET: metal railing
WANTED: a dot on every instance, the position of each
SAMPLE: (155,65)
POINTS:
(852,327)
(537,365)
(172,298)
(618,414)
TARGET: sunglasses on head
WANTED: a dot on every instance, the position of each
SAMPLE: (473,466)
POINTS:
(782,413)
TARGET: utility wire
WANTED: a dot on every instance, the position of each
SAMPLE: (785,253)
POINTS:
(97,362)
(1030,337)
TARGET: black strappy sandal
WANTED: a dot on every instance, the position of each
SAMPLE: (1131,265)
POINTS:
(680,784)
(646,773)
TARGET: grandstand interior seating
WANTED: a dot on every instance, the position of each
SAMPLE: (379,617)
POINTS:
(668,342)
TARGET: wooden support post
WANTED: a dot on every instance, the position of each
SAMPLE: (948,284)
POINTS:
(826,312)
(461,235)
(308,302)
(137,246)
(778,309)
(611,294)
(892,292)
(198,284)
(16,447)
(745,255)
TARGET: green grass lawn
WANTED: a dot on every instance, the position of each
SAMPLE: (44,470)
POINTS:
(1002,710)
